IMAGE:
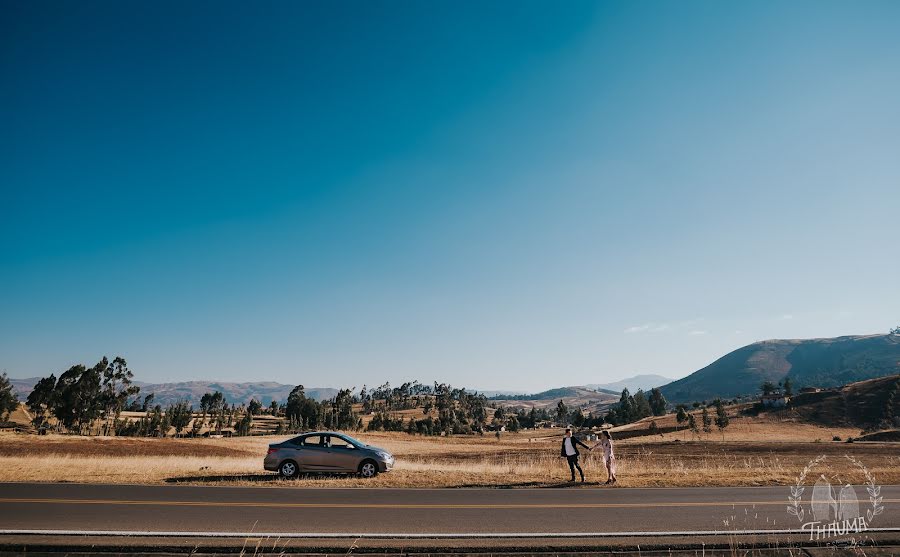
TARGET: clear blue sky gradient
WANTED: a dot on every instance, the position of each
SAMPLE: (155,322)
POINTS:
(509,195)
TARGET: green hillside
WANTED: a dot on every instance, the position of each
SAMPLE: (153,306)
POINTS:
(821,362)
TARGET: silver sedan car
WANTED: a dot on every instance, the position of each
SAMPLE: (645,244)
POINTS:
(327,451)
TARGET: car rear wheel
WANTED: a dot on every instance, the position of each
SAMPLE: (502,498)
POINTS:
(368,469)
(288,469)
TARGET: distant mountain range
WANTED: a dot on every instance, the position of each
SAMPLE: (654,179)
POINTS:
(23,387)
(235,393)
(819,362)
(491,394)
(645,382)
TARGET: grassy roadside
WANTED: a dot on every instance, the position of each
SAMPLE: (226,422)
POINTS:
(752,453)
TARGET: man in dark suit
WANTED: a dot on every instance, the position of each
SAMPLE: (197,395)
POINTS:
(569,451)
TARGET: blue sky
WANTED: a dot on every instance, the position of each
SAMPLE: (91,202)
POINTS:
(512,195)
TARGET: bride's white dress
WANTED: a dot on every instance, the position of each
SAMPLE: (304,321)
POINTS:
(608,457)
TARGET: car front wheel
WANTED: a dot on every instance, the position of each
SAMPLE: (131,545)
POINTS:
(368,469)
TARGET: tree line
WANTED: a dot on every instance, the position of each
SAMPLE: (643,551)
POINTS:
(689,419)
(90,401)
(445,410)
(632,408)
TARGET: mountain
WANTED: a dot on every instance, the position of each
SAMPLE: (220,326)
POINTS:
(645,382)
(819,362)
(23,387)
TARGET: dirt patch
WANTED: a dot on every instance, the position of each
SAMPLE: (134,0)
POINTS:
(113,447)
(892,436)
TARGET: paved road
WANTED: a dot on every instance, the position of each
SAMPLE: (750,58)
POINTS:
(405,512)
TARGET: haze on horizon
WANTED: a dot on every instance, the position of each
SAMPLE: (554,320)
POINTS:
(499,196)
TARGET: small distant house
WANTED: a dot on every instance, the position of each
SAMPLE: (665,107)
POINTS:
(226,432)
(774,400)
(806,390)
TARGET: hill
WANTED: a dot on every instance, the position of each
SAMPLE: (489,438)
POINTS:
(822,362)
(557,393)
(870,404)
(573,397)
(645,382)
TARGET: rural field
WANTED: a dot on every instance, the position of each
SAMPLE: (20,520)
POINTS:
(753,451)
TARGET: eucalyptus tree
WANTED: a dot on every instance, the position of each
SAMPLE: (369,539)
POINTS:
(8,399)
(40,400)
(117,388)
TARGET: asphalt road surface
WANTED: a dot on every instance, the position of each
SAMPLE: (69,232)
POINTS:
(410,513)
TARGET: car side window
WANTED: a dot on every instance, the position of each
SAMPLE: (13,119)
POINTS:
(312,441)
(338,443)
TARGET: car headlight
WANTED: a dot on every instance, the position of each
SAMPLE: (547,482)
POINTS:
(383,455)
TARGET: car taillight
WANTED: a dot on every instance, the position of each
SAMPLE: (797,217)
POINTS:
(271,450)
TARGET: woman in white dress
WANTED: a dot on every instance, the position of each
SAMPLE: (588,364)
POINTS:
(608,457)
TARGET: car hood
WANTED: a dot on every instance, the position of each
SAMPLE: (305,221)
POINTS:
(371,448)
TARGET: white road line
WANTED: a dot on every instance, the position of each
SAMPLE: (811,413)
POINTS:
(380,535)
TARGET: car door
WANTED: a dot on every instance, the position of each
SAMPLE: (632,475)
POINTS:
(312,454)
(343,455)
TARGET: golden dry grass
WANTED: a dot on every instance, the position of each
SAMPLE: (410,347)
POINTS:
(756,451)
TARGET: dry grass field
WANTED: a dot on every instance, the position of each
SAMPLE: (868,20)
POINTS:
(755,451)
